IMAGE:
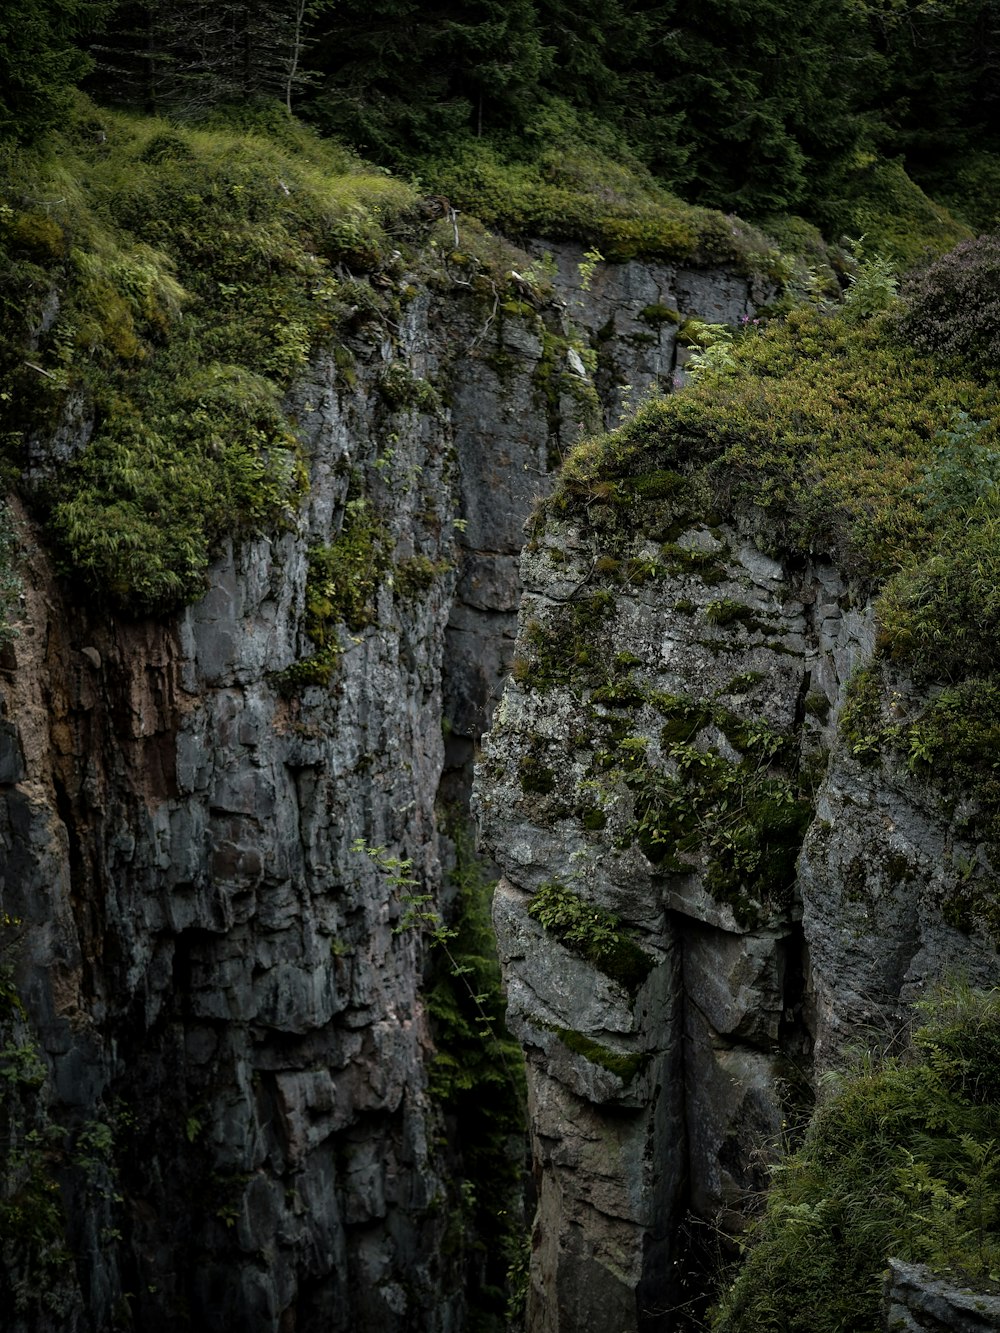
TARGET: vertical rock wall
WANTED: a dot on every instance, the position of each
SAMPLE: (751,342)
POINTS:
(665,764)
(222,1038)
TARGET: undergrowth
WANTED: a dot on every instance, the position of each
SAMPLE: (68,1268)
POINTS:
(900,1161)
(477,1080)
(163,285)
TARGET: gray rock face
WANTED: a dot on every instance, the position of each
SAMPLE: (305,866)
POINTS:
(919,1302)
(519,405)
(226,1021)
(215,973)
(667,751)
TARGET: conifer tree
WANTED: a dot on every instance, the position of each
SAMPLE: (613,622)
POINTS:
(40,60)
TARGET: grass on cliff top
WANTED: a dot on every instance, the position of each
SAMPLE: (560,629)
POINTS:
(827,435)
(574,179)
(166,284)
(900,1161)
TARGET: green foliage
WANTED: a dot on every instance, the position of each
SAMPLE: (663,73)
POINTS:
(344,576)
(574,179)
(341,587)
(746,819)
(399,78)
(36,1271)
(820,435)
(40,60)
(195,275)
(10,583)
(182,58)
(942,616)
(871,289)
(477,1071)
(592,932)
(901,1160)
(414,575)
(870,197)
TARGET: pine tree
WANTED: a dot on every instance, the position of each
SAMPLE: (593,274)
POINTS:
(398,76)
(186,56)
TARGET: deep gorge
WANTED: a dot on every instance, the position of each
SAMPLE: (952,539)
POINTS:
(212,977)
(739,804)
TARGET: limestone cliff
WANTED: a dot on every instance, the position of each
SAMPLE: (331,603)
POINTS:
(220,1043)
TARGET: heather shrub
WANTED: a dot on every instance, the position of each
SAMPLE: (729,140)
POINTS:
(952,308)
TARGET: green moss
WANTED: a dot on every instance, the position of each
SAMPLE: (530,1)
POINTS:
(415,575)
(344,576)
(555,385)
(592,932)
(879,201)
(820,436)
(659,314)
(743,683)
(624,1066)
(592,819)
(706,566)
(402,391)
(817,705)
(562,648)
(476,1076)
(576,183)
(620,693)
(724,611)
(535,777)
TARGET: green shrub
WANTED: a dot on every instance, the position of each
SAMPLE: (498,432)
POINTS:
(900,1161)
(592,932)
(952,308)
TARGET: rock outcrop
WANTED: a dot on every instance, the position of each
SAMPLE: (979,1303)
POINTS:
(665,769)
(919,1302)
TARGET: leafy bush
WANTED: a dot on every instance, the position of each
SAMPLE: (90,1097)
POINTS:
(900,1161)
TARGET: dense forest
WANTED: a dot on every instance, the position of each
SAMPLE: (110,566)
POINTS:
(754,108)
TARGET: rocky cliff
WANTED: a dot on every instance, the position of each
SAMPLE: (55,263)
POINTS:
(722,859)
(216,1108)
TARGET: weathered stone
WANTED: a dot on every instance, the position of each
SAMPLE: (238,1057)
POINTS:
(207,963)
(918,1301)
